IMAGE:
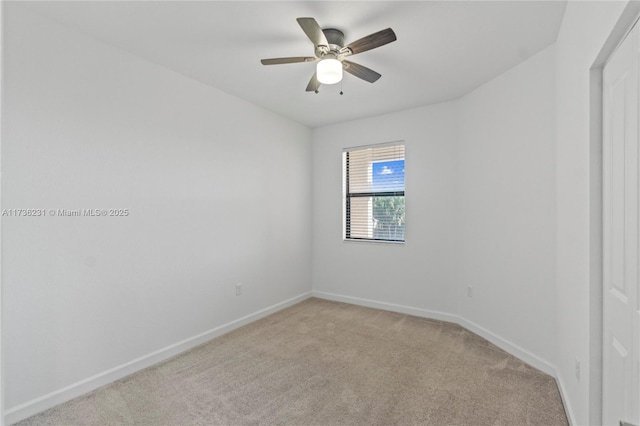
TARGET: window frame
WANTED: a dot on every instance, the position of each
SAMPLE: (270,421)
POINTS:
(348,196)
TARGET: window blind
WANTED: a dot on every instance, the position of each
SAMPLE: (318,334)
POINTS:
(374,192)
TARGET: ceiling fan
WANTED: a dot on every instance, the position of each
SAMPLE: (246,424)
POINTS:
(330,53)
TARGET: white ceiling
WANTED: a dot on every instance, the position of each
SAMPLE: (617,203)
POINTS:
(444,49)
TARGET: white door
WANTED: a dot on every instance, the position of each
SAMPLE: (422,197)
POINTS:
(621,316)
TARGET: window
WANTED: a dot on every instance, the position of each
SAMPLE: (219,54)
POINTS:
(374,192)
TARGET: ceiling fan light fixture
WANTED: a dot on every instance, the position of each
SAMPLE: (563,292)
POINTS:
(329,71)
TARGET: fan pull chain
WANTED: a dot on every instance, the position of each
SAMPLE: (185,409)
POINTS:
(341,93)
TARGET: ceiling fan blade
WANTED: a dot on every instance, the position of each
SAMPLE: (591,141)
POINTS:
(314,84)
(362,72)
(313,31)
(372,41)
(292,60)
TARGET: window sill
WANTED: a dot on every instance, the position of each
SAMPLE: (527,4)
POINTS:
(363,241)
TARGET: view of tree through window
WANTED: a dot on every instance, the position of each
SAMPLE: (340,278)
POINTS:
(388,217)
(374,193)
(388,211)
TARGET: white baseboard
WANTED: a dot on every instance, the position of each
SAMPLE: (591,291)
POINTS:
(441,316)
(35,406)
(565,400)
(507,346)
(500,342)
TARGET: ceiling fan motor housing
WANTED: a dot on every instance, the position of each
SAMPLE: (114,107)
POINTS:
(336,42)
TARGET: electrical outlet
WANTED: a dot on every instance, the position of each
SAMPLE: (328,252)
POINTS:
(577,368)
(469,291)
(238,289)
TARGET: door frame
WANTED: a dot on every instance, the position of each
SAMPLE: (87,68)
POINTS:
(627,20)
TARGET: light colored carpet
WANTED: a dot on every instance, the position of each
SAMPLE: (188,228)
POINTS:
(328,363)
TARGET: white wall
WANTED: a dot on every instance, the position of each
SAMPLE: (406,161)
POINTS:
(480,212)
(585,29)
(218,192)
(506,209)
(422,269)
